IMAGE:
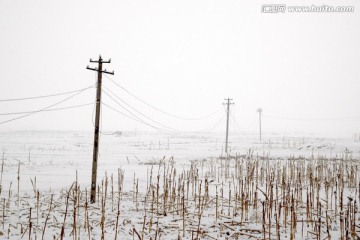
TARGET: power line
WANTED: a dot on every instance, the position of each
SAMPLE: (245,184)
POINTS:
(232,115)
(136,110)
(44,96)
(236,126)
(135,119)
(206,130)
(162,111)
(167,128)
(249,127)
(46,108)
(218,123)
(139,119)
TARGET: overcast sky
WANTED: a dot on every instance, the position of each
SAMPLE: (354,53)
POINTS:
(183,57)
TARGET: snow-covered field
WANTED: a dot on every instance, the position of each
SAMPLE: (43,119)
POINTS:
(179,186)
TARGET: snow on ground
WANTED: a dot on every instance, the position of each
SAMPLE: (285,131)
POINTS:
(163,175)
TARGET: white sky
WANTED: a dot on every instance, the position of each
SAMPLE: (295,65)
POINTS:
(183,57)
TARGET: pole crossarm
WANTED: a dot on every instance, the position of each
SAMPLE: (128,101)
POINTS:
(100,60)
(97,70)
(228,99)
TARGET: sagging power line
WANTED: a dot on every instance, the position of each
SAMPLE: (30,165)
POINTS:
(45,108)
(43,96)
(171,129)
(238,125)
(135,119)
(162,128)
(165,129)
(158,109)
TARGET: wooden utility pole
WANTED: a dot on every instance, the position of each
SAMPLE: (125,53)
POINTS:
(97,121)
(227,121)
(259,110)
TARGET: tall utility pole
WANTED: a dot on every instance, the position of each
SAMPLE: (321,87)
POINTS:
(97,121)
(259,110)
(227,121)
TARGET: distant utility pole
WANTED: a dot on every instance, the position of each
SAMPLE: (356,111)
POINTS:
(259,110)
(97,121)
(227,121)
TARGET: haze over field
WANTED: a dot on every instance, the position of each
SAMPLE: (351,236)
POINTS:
(183,57)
